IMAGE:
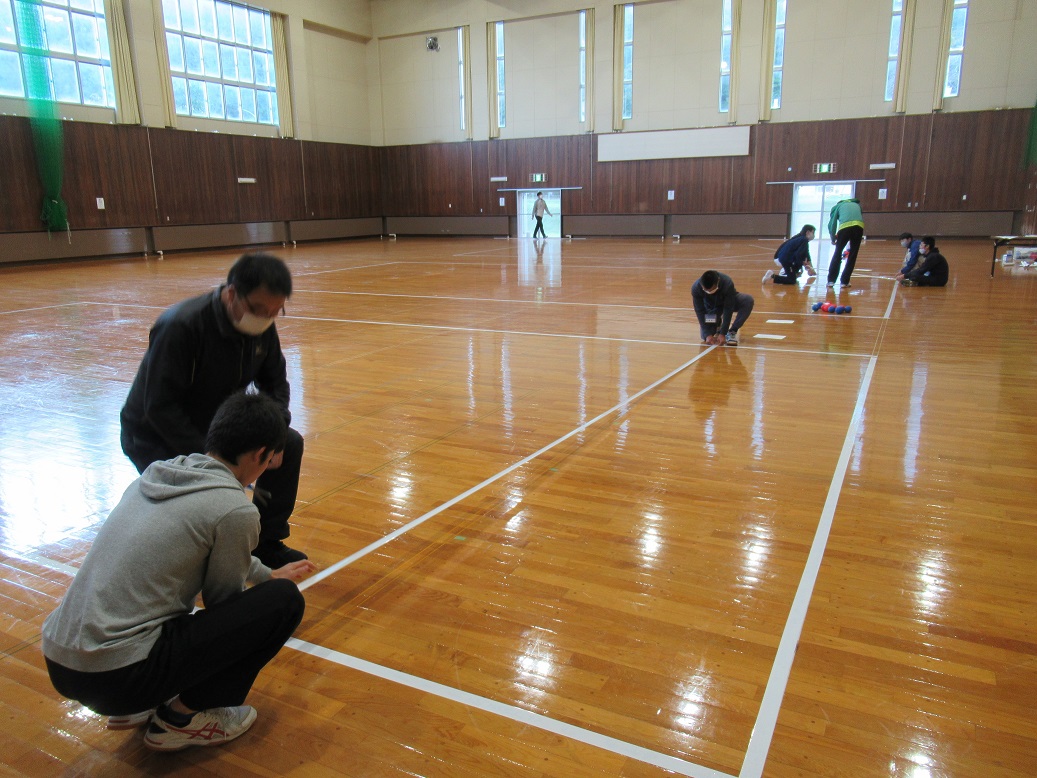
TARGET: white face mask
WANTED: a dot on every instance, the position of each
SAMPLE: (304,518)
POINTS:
(251,324)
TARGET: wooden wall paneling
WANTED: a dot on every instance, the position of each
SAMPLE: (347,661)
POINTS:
(430,180)
(995,176)
(194,177)
(342,181)
(624,186)
(484,201)
(323,180)
(908,194)
(497,166)
(112,162)
(276,166)
(775,149)
(601,185)
(21,195)
(950,158)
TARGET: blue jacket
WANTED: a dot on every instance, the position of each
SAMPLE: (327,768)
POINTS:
(911,257)
(794,252)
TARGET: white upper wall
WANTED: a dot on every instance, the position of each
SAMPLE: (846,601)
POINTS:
(361,73)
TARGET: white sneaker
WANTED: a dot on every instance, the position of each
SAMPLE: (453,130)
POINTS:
(732,339)
(207,728)
(767,276)
(131,720)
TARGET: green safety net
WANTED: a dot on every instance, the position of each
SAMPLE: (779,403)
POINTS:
(47,134)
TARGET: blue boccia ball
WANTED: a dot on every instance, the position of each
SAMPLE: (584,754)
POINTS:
(847,309)
(839,309)
(815,307)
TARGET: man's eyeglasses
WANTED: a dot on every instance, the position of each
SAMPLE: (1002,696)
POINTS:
(262,314)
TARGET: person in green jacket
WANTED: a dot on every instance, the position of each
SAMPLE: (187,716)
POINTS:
(845,226)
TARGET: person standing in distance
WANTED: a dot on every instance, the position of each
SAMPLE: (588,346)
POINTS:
(126,639)
(845,226)
(201,351)
(716,300)
(539,209)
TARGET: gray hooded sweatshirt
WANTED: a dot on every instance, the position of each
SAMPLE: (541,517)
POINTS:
(185,527)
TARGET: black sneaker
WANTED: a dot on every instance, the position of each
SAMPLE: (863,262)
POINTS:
(277,554)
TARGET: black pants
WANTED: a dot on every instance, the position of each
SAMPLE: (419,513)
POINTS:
(282,483)
(540,227)
(743,307)
(851,235)
(210,658)
(791,268)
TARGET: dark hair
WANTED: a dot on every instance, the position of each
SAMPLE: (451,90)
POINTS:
(709,279)
(906,236)
(929,241)
(246,422)
(540,193)
(252,271)
(807,228)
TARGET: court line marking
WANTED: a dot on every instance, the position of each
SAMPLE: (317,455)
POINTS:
(613,745)
(781,669)
(344,269)
(543,334)
(621,406)
(892,297)
(781,321)
(43,561)
(41,308)
(764,336)
(520,715)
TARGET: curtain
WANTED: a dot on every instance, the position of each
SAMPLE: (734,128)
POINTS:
(285,118)
(589,123)
(165,74)
(617,68)
(127,110)
(466,56)
(491,77)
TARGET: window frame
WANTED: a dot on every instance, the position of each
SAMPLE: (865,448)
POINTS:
(201,50)
(78,20)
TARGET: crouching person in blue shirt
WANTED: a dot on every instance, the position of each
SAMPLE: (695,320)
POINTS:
(793,255)
(125,640)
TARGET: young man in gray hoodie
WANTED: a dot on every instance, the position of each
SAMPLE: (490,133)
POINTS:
(126,638)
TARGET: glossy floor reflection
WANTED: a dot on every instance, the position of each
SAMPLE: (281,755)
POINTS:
(601,526)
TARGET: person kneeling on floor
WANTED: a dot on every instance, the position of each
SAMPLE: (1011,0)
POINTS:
(793,255)
(125,640)
(932,268)
(716,300)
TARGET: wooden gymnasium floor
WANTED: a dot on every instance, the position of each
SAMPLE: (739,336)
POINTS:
(557,536)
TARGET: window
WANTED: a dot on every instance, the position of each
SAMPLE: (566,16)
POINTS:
(583,66)
(460,69)
(56,50)
(958,16)
(896,27)
(779,54)
(628,61)
(222,60)
(501,112)
(725,57)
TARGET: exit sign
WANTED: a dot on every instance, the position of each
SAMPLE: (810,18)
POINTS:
(824,167)
(537,178)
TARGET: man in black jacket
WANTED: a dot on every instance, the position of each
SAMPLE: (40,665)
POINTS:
(716,300)
(932,268)
(200,352)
